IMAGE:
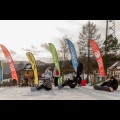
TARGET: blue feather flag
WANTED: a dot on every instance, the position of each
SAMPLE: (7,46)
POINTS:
(73,54)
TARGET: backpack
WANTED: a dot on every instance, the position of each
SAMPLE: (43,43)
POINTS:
(57,72)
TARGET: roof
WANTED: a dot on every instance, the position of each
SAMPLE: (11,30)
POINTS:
(115,65)
(28,67)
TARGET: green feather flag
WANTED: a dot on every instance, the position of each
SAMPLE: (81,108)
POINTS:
(56,60)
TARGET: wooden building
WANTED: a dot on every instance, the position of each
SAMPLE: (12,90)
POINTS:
(28,75)
(114,70)
(28,72)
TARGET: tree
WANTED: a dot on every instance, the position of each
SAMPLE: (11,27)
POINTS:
(64,51)
(111,45)
(20,69)
(89,31)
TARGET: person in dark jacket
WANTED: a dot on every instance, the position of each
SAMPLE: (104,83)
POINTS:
(71,83)
(79,72)
(109,85)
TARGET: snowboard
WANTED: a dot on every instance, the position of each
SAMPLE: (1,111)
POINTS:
(33,89)
(72,84)
(102,88)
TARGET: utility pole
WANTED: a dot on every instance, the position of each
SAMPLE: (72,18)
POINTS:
(110,30)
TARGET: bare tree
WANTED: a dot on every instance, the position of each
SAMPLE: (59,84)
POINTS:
(64,51)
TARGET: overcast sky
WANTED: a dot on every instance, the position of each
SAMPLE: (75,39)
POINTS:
(20,36)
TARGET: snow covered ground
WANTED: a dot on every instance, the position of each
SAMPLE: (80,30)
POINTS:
(79,93)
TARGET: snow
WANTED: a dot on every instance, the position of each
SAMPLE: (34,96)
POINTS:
(79,93)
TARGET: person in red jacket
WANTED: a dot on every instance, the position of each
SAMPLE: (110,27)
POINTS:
(79,73)
(56,75)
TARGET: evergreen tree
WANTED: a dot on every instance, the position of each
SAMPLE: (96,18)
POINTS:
(111,51)
(89,31)
(111,45)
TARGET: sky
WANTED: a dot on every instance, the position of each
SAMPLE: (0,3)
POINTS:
(21,36)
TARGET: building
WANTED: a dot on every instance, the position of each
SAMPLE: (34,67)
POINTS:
(28,72)
(115,70)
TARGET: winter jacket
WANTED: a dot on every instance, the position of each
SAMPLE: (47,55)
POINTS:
(55,73)
(112,83)
(79,69)
(48,78)
(48,74)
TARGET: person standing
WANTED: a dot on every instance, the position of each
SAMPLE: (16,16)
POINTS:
(79,73)
(56,75)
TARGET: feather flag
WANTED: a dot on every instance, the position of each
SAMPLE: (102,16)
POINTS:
(73,54)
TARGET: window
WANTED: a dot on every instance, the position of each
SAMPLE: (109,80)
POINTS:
(117,74)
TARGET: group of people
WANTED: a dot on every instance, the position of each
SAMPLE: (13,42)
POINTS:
(49,75)
(110,84)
